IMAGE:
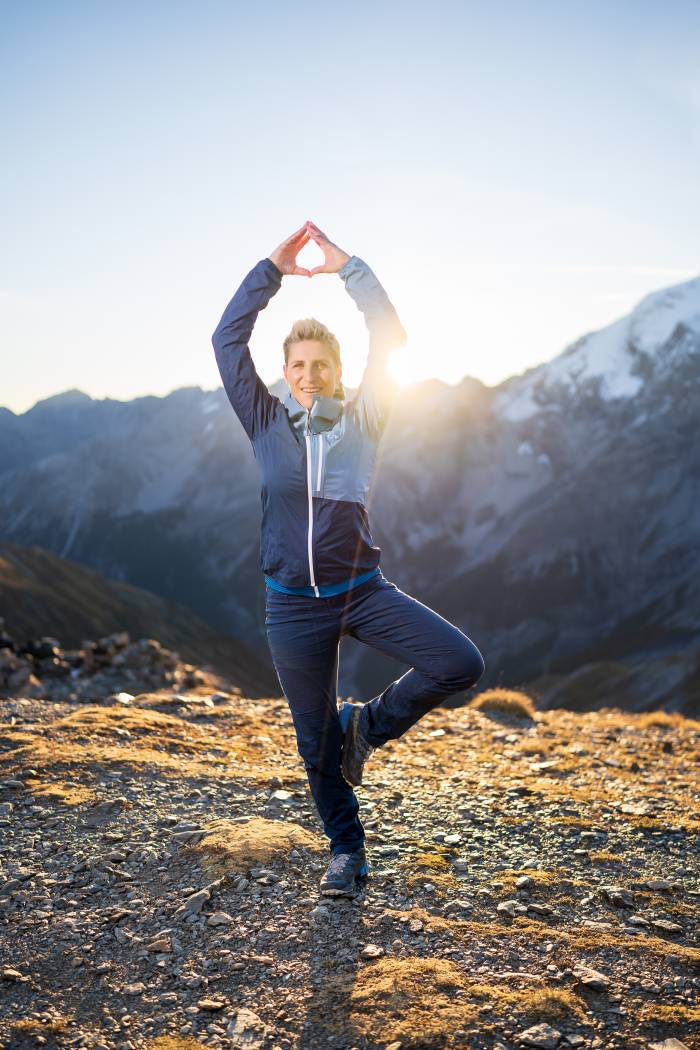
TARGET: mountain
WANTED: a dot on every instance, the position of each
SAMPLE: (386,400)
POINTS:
(553,517)
(42,594)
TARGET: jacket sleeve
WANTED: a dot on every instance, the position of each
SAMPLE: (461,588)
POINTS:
(252,401)
(378,389)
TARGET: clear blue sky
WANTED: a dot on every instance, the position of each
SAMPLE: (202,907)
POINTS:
(516,174)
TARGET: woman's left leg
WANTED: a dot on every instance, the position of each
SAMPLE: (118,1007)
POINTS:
(442,658)
(303,637)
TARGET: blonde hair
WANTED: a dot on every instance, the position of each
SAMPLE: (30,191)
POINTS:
(310,328)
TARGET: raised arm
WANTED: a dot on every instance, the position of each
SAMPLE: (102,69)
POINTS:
(375,397)
(378,388)
(251,400)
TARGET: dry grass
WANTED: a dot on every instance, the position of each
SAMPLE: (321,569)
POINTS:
(676,1012)
(432,923)
(230,847)
(421,1001)
(173,1042)
(32,1027)
(432,865)
(249,745)
(67,792)
(604,856)
(541,879)
(666,720)
(510,702)
(586,939)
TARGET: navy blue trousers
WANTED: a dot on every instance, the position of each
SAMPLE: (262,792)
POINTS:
(304,638)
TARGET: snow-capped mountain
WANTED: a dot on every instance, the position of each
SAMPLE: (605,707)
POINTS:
(617,360)
(555,518)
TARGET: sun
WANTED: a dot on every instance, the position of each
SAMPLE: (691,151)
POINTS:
(403,368)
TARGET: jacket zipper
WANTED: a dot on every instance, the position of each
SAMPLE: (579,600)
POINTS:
(307,435)
(320,463)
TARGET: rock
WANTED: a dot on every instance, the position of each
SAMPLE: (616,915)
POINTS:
(211,1004)
(161,944)
(525,882)
(618,896)
(666,926)
(669,1044)
(371,951)
(125,699)
(137,988)
(658,884)
(103,812)
(454,907)
(542,1035)
(9,974)
(220,918)
(509,907)
(194,903)
(246,1031)
(592,978)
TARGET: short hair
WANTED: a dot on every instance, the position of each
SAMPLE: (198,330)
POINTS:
(310,328)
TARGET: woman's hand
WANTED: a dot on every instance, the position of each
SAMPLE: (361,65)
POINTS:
(335,257)
(285,257)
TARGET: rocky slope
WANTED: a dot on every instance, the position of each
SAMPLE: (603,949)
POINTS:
(39,590)
(534,880)
(554,517)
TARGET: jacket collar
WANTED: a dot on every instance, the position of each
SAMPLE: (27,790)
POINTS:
(324,413)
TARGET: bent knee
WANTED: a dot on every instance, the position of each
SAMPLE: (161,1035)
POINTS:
(466,668)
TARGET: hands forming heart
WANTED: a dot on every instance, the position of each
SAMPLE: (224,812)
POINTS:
(285,256)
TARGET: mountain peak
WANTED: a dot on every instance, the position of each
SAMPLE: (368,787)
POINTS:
(65,399)
(609,354)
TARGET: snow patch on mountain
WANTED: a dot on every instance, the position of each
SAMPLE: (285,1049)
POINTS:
(609,354)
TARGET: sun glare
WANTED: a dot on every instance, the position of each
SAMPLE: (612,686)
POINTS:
(403,368)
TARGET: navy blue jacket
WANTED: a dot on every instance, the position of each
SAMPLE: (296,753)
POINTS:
(315,465)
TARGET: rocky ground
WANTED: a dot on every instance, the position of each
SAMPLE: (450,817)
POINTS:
(533,878)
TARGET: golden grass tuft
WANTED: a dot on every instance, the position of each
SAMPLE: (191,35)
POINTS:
(173,1042)
(509,702)
(604,856)
(420,1001)
(70,794)
(666,720)
(673,1012)
(232,847)
(32,1026)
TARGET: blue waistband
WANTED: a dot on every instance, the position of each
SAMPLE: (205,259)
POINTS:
(325,589)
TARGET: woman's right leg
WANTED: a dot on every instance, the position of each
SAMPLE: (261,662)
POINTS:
(304,637)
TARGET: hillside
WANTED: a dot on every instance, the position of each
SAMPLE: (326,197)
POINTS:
(553,517)
(40,592)
(533,882)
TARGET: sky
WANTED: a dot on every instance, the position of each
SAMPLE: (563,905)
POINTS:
(515,174)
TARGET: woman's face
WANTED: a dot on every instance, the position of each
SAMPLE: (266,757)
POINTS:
(311,369)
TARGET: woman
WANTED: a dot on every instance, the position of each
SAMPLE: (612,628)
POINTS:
(316,454)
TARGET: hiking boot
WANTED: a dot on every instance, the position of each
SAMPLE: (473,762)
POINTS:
(344,873)
(356,750)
